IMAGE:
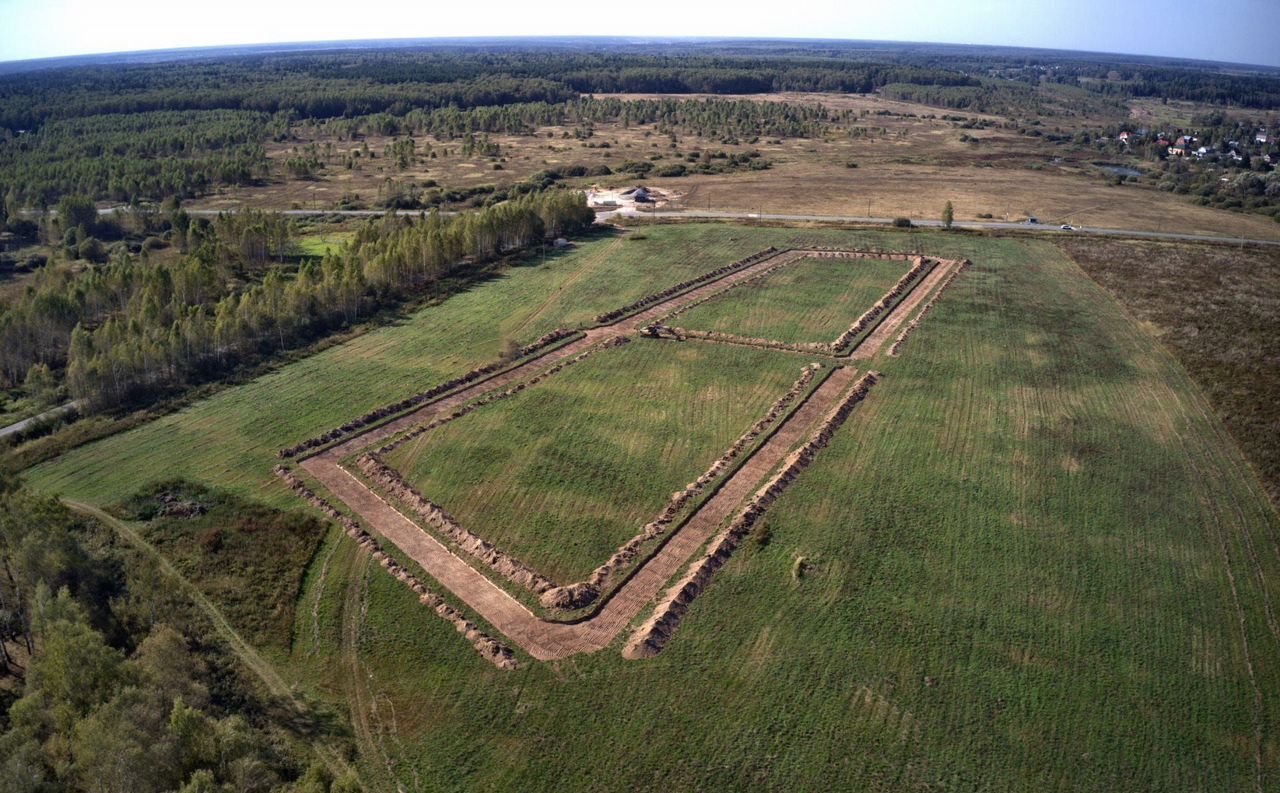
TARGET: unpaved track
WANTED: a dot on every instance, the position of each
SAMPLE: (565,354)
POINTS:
(623,327)
(238,645)
(547,640)
(903,310)
(552,640)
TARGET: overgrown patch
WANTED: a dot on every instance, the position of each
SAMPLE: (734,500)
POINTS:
(248,558)
(1217,309)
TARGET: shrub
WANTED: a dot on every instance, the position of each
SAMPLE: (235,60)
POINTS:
(91,250)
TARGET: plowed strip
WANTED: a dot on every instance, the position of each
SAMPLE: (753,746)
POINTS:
(546,640)
(903,311)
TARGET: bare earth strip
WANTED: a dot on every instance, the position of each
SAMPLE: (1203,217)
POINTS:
(551,640)
(546,640)
(903,311)
(623,327)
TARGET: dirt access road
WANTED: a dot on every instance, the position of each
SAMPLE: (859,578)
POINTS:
(553,640)
(549,640)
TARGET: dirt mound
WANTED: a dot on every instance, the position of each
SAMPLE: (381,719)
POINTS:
(822,252)
(505,565)
(881,306)
(841,341)
(496,652)
(658,297)
(654,633)
(897,344)
(494,396)
(585,592)
(390,480)
(423,396)
(769,344)
(787,258)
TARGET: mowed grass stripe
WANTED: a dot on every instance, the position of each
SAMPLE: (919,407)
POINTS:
(231,438)
(927,641)
(563,473)
(974,611)
(812,300)
(1019,547)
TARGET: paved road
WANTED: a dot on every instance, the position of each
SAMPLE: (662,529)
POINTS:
(1037,228)
(979,225)
(19,426)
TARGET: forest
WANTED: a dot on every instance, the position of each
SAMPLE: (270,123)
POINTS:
(111,328)
(131,330)
(111,677)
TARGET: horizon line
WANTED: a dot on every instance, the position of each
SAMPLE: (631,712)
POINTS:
(51,61)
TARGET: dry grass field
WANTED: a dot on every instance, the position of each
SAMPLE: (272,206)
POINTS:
(908,164)
(1215,307)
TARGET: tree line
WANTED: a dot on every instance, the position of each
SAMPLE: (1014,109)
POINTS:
(122,157)
(137,332)
(161,154)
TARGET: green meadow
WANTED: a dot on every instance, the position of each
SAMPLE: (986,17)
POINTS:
(813,300)
(1032,560)
(561,474)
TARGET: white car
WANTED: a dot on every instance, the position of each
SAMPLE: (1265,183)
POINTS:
(1067,227)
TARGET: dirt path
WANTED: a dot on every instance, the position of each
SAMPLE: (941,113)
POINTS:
(244,651)
(546,640)
(623,327)
(903,311)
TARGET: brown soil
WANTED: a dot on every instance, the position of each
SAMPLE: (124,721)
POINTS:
(902,337)
(653,635)
(550,640)
(885,330)
(546,640)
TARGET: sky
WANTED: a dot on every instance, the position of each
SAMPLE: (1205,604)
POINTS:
(1245,31)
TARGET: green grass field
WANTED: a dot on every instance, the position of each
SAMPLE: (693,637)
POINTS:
(231,438)
(324,242)
(1032,560)
(562,474)
(1015,577)
(813,300)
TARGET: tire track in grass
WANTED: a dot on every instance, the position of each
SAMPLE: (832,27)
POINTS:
(1196,467)
(586,266)
(1195,405)
(319,590)
(1214,472)
(354,603)
(245,652)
